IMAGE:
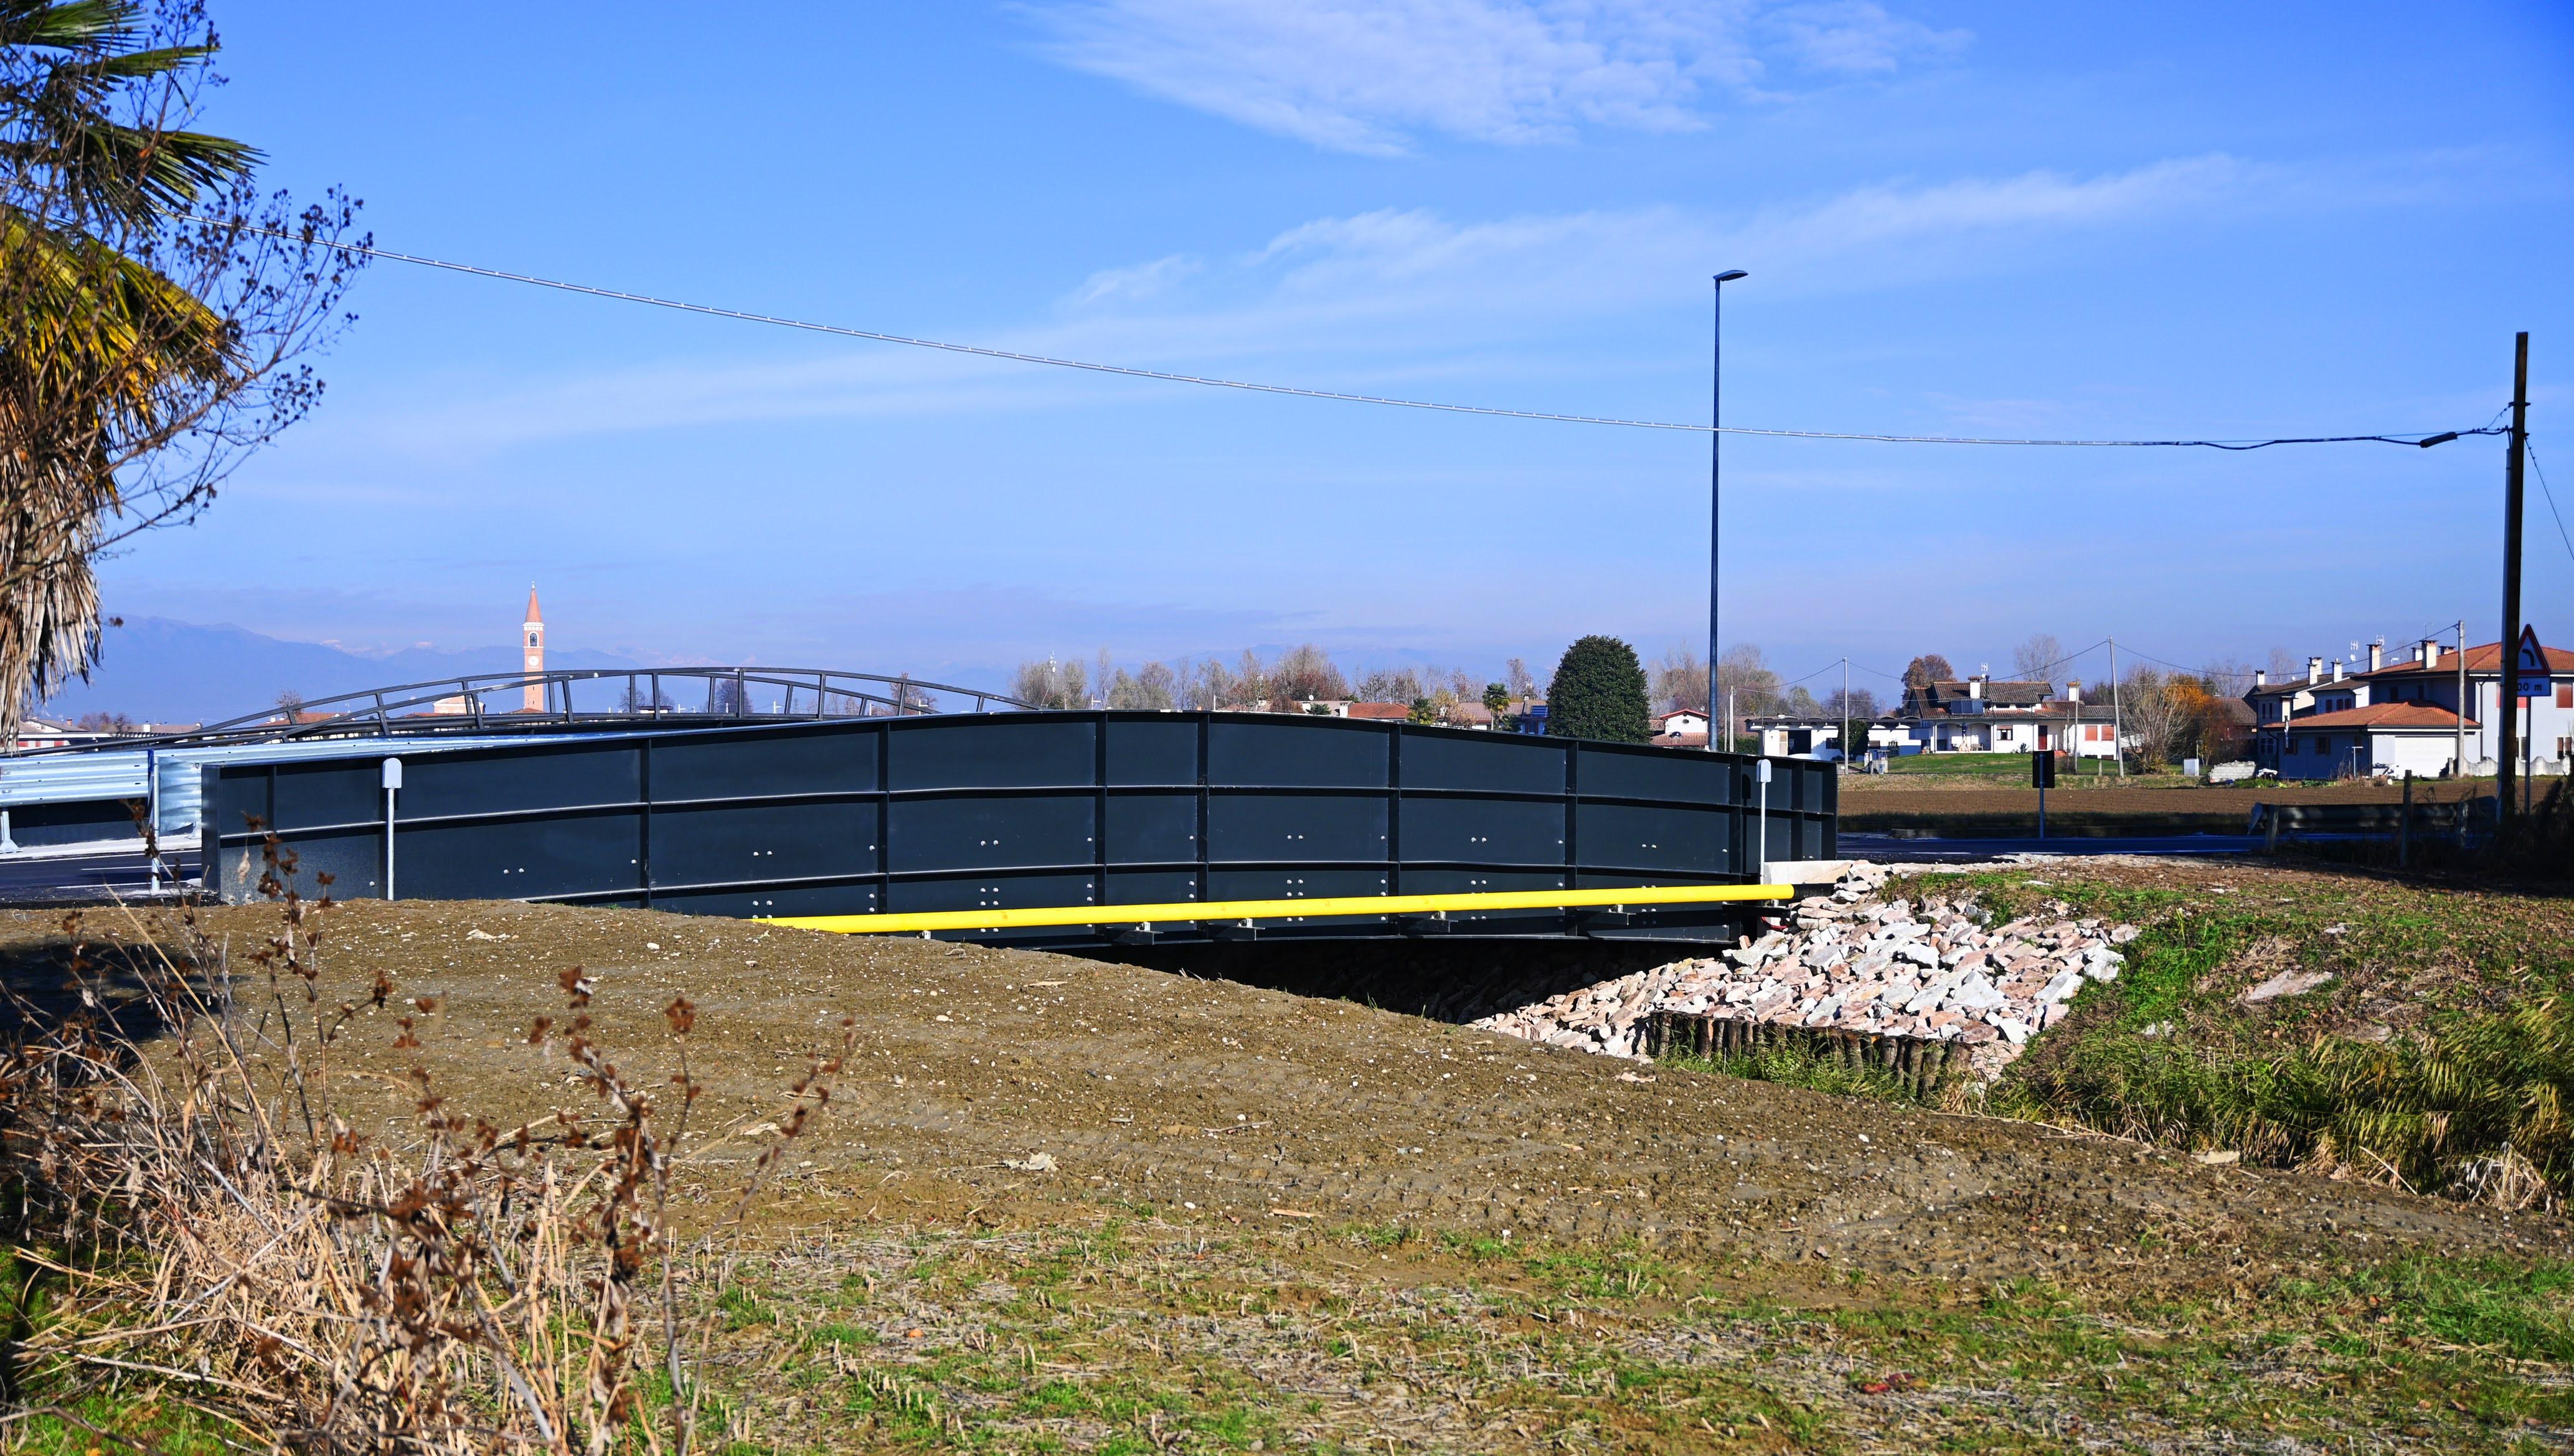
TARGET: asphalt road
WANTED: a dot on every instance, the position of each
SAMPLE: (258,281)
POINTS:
(1884,848)
(81,878)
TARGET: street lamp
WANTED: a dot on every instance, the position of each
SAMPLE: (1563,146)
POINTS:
(1716,498)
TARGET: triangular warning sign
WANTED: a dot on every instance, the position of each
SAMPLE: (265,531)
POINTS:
(2533,664)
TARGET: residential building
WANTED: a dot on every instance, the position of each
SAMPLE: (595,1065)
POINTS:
(2338,722)
(1979,715)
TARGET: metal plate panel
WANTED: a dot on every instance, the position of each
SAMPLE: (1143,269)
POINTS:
(1639,837)
(837,760)
(1019,752)
(987,892)
(1152,829)
(1297,753)
(1154,751)
(517,781)
(1299,826)
(1152,886)
(1667,774)
(1262,885)
(337,791)
(583,854)
(730,844)
(1494,763)
(1480,831)
(969,832)
(353,858)
(795,900)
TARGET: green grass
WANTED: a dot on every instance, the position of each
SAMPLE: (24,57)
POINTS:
(1161,1342)
(2464,998)
(1794,1065)
(2000,768)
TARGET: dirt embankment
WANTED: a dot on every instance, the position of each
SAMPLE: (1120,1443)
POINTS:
(1222,1102)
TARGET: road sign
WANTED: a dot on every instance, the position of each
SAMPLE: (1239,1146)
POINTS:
(2533,665)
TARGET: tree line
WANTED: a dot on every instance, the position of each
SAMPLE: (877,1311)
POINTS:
(1293,681)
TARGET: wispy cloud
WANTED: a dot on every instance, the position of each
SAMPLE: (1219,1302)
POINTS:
(1149,280)
(1391,300)
(1368,75)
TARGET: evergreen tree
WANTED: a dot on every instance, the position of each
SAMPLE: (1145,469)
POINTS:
(1599,693)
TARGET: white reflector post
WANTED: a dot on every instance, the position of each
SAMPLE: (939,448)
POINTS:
(393,781)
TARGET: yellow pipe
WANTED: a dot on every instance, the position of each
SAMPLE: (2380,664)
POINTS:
(1187,912)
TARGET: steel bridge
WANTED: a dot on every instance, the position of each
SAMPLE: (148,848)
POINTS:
(1059,829)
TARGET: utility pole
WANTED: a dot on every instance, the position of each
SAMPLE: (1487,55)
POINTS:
(1729,721)
(2460,767)
(2117,718)
(2511,503)
(1715,477)
(1845,742)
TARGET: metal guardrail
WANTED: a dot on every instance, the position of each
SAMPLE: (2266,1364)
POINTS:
(414,708)
(1052,811)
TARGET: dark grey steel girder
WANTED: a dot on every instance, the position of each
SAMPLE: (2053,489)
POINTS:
(1025,809)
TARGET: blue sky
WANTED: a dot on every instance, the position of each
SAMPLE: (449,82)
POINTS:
(2062,220)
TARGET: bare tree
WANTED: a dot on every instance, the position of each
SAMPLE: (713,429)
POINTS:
(1212,686)
(2227,677)
(1747,680)
(1861,703)
(1306,673)
(2037,659)
(159,311)
(1679,680)
(1400,685)
(1251,682)
(1051,685)
(2285,665)
(2156,713)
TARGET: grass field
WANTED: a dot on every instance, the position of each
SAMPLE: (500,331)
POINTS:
(1066,1206)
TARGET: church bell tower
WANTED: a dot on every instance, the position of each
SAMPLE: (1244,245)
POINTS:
(531,638)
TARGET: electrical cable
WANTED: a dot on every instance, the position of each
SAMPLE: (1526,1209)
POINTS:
(2418,437)
(2536,470)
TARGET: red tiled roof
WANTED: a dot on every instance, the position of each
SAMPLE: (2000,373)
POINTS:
(2384,715)
(1384,711)
(2486,659)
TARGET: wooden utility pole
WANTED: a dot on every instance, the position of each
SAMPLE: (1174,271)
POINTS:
(2511,502)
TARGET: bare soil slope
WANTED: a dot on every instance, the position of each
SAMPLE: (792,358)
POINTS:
(1225,1103)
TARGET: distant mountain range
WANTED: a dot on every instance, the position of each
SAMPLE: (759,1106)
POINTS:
(158,671)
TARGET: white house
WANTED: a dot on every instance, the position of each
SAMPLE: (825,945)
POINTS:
(1979,715)
(2335,722)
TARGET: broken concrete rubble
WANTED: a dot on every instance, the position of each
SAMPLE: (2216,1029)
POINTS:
(1848,961)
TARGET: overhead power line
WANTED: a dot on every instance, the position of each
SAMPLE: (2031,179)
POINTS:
(2561,534)
(2417,437)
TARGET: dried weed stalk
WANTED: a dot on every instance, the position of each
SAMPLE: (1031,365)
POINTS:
(207,1252)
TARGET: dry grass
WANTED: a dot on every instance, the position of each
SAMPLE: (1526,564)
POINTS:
(198,1226)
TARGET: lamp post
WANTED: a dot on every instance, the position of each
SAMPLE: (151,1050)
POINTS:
(1715,490)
